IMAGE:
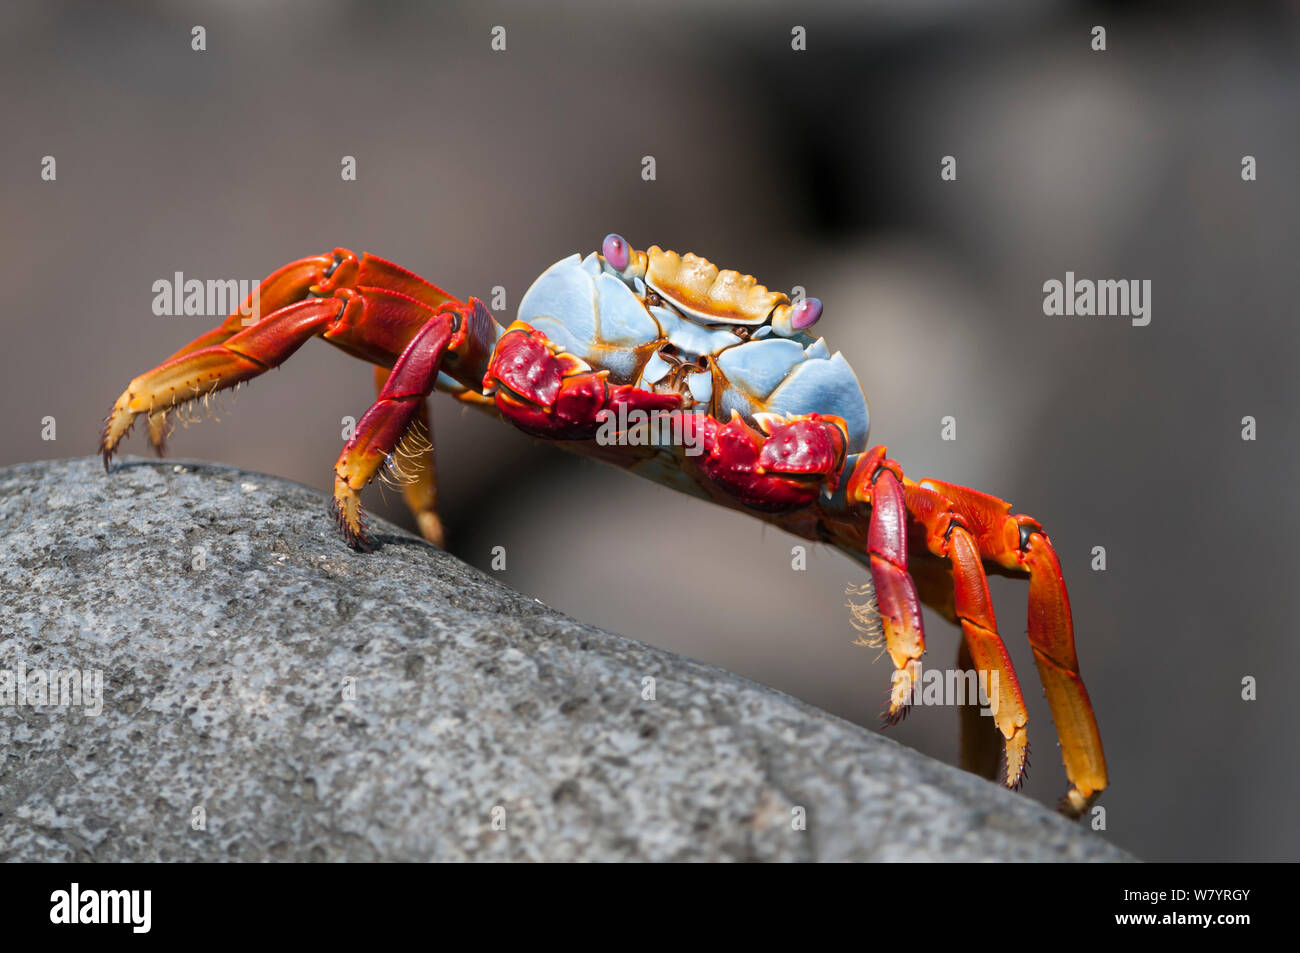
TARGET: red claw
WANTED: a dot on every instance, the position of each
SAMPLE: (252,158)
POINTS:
(775,473)
(555,395)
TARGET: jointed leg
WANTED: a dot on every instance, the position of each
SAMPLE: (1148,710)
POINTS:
(286,286)
(418,471)
(400,401)
(371,309)
(197,373)
(1017,542)
(878,482)
(966,527)
(979,629)
(981,741)
(369,288)
(896,599)
(1051,636)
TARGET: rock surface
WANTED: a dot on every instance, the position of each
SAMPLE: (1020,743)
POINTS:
(269,694)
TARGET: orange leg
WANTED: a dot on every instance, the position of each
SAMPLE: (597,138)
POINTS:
(980,631)
(209,368)
(981,741)
(965,527)
(1017,542)
(284,287)
(879,483)
(378,305)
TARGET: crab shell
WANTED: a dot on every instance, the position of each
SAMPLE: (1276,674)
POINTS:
(678,324)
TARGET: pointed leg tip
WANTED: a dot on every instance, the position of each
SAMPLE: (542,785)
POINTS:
(895,715)
(1015,760)
(352,529)
(901,694)
(358,542)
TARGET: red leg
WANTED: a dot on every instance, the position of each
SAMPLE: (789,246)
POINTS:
(1051,635)
(982,749)
(981,741)
(875,483)
(399,403)
(417,470)
(284,287)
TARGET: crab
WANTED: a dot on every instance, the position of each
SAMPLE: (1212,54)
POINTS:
(754,413)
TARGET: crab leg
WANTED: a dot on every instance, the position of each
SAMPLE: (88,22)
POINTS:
(420,483)
(1017,542)
(210,368)
(400,401)
(876,484)
(947,536)
(1051,635)
(981,741)
(283,287)
(974,608)
(365,305)
(317,275)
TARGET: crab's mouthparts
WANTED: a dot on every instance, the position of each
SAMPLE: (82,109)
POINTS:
(674,383)
(684,380)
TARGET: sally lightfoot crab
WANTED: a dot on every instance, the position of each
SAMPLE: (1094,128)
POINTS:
(765,419)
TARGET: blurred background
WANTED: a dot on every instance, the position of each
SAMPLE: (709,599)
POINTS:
(819,168)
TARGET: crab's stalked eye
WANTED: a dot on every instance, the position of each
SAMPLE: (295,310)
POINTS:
(615,251)
(805,314)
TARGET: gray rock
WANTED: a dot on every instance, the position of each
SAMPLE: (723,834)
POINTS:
(224,693)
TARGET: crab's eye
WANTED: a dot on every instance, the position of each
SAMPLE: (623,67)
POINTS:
(615,251)
(805,314)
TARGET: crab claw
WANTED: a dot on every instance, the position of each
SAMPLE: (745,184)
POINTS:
(783,466)
(550,393)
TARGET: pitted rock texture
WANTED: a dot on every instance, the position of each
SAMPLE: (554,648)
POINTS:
(269,694)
